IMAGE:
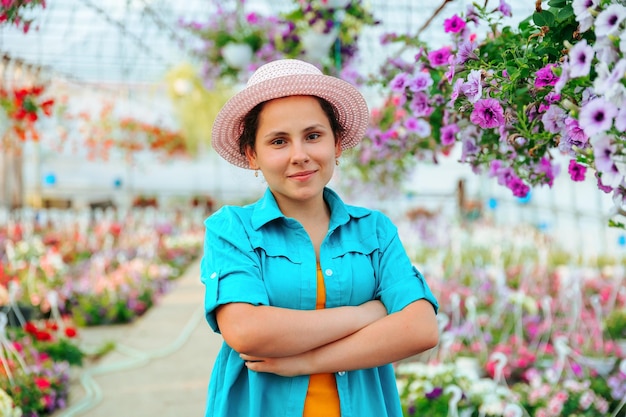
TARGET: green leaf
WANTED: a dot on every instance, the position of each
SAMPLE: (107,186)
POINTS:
(543,18)
(565,13)
(557,4)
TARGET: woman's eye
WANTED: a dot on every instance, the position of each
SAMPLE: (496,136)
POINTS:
(313,136)
(278,142)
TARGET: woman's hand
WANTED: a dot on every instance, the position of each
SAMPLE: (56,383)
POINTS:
(301,364)
(288,366)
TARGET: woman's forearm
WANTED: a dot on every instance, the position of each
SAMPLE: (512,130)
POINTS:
(278,332)
(397,336)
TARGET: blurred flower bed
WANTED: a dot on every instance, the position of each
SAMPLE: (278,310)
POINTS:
(526,328)
(64,270)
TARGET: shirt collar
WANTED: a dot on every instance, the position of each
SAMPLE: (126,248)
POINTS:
(266,210)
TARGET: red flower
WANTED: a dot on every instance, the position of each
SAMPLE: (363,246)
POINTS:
(46,106)
(29,327)
(70,332)
(52,325)
(43,336)
(42,383)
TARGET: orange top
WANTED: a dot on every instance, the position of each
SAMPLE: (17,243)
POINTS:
(322,398)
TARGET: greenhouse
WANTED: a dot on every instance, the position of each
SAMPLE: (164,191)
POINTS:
(173,173)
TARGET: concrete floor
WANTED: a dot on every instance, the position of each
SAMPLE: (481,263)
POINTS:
(161,365)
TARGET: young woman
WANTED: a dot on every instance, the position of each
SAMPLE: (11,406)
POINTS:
(315,299)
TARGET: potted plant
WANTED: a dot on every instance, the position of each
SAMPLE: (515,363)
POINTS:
(15,12)
(615,327)
(232,42)
(513,97)
(327,32)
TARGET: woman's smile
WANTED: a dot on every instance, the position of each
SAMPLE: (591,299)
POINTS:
(302,175)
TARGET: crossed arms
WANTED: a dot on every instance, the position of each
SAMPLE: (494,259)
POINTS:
(303,342)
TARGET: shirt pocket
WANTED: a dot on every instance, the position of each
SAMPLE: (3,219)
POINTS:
(284,276)
(354,271)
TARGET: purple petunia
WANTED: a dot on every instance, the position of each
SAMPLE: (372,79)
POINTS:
(399,82)
(550,171)
(456,90)
(550,98)
(418,126)
(517,186)
(466,51)
(435,393)
(505,8)
(603,151)
(422,81)
(487,113)
(448,134)
(574,134)
(472,88)
(604,188)
(545,76)
(576,171)
(440,56)
(420,105)
(553,119)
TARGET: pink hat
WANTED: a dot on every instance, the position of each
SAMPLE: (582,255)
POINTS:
(282,78)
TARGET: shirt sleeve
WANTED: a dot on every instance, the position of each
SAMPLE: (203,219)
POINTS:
(399,282)
(229,268)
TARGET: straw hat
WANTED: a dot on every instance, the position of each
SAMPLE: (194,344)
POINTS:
(282,78)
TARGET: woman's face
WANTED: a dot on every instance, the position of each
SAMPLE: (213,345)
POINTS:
(295,148)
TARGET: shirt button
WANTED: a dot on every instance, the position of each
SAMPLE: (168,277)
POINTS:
(329,272)
(213,275)
(341,373)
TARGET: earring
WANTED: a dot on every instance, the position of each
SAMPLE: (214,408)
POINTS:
(337,162)
(256,173)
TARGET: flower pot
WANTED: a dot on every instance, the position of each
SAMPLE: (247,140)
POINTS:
(469,366)
(602,365)
(316,44)
(334,4)
(237,55)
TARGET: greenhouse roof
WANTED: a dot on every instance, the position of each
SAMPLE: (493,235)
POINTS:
(137,41)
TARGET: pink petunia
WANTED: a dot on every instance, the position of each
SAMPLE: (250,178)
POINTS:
(576,171)
(453,24)
(440,56)
(487,113)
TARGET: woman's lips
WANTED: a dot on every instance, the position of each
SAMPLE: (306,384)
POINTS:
(302,176)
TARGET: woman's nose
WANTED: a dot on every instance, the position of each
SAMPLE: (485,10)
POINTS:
(299,153)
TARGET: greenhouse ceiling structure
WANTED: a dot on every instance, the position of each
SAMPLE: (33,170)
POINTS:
(137,41)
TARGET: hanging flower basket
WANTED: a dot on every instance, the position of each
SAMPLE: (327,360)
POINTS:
(317,45)
(237,55)
(334,4)
(16,12)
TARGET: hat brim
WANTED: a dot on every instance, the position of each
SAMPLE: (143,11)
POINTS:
(349,103)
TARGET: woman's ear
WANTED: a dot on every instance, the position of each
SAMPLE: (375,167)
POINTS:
(251,156)
(338,149)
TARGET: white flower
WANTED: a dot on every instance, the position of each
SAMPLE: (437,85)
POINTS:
(608,82)
(609,20)
(605,51)
(7,407)
(583,15)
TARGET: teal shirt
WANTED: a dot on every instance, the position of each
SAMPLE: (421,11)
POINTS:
(254,254)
